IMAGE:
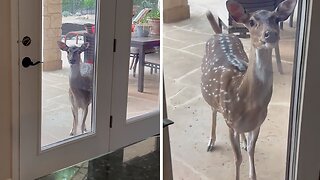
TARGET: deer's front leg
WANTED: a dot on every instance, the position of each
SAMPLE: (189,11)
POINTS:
(75,120)
(84,118)
(74,109)
(252,139)
(213,130)
(235,143)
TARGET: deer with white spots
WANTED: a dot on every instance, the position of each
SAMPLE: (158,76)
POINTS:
(240,86)
(80,84)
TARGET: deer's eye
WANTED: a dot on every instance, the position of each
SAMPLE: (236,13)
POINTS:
(252,23)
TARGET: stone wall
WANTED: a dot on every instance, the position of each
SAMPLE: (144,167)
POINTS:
(52,22)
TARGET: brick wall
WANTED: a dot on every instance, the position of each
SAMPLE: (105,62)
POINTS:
(52,21)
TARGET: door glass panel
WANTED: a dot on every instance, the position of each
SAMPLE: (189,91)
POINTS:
(68,51)
(184,49)
(144,66)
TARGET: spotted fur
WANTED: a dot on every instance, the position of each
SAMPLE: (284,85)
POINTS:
(223,67)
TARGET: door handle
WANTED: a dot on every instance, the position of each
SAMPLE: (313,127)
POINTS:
(26,62)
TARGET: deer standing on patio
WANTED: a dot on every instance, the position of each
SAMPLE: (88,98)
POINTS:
(239,87)
(80,84)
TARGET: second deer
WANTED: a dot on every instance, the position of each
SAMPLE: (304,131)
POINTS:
(80,84)
(240,86)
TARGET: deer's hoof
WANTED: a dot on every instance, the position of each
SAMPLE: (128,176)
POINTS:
(83,129)
(210,145)
(72,133)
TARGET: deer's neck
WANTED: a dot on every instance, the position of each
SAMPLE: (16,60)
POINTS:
(257,83)
(74,71)
(260,65)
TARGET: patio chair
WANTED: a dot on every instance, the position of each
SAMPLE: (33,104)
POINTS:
(140,15)
(231,26)
(134,54)
(226,22)
(153,61)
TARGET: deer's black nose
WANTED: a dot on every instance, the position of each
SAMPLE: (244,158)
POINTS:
(271,36)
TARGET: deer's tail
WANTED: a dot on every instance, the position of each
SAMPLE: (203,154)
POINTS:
(213,23)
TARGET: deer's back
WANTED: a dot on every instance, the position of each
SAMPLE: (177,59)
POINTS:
(223,67)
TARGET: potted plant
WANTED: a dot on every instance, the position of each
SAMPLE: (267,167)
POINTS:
(142,29)
(154,21)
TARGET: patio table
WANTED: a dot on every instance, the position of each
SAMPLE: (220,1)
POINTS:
(143,43)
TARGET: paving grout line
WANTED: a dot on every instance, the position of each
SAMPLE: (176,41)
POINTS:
(55,97)
(54,109)
(60,88)
(285,104)
(176,28)
(142,99)
(192,31)
(176,94)
(191,53)
(177,40)
(192,45)
(184,84)
(186,102)
(184,51)
(183,28)
(190,167)
(187,74)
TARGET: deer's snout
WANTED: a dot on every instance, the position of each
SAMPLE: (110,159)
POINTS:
(271,36)
(73,58)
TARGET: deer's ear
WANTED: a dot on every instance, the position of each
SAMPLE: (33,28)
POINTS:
(285,9)
(237,12)
(84,46)
(62,46)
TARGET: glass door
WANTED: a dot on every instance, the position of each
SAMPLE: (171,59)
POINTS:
(66,59)
(136,115)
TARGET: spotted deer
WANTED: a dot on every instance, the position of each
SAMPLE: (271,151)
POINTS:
(240,86)
(80,84)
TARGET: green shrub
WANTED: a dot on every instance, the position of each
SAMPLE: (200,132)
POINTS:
(154,14)
(89,4)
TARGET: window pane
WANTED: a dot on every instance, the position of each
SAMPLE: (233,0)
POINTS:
(144,62)
(68,69)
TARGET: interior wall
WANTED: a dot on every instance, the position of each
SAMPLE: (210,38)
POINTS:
(5,91)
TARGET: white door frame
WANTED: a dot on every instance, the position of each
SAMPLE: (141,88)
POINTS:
(77,151)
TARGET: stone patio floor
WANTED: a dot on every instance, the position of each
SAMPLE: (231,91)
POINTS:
(183,50)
